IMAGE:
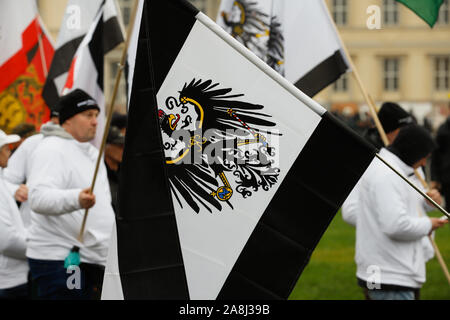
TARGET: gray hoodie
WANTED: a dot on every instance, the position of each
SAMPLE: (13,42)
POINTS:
(51,129)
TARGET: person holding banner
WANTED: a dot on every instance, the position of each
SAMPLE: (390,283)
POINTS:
(14,267)
(392,117)
(390,229)
(440,162)
(60,175)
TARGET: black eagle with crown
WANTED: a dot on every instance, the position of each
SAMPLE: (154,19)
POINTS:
(260,33)
(216,146)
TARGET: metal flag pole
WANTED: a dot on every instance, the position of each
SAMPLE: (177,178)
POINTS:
(110,109)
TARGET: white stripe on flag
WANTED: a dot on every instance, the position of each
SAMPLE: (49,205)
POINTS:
(302,32)
(132,49)
(77,19)
(310,37)
(15,16)
(112,286)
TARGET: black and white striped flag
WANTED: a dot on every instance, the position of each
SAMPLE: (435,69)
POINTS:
(230,173)
(87,66)
(296,38)
(78,17)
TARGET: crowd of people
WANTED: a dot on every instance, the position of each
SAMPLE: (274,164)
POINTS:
(45,189)
(45,192)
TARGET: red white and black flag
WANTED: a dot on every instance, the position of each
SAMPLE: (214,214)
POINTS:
(87,66)
(230,173)
(26,52)
(296,38)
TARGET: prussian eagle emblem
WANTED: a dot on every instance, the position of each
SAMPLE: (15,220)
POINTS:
(216,146)
(259,32)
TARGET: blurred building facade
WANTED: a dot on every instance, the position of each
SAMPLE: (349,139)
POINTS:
(398,56)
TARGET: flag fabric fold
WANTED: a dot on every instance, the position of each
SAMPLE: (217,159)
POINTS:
(428,10)
(27,51)
(296,38)
(87,66)
(230,174)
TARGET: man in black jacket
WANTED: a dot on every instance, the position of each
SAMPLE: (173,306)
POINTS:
(440,162)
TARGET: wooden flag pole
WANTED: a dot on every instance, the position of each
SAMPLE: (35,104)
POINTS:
(383,136)
(355,74)
(110,109)
(433,243)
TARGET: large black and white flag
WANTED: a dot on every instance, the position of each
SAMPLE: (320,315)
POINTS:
(87,66)
(296,38)
(230,173)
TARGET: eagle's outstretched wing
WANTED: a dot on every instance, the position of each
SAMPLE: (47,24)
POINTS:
(248,24)
(223,124)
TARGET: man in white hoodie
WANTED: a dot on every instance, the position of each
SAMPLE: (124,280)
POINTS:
(62,169)
(389,250)
(13,263)
(19,164)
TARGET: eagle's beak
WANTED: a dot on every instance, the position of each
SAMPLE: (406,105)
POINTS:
(173,121)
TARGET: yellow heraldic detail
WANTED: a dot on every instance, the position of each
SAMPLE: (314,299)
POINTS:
(196,139)
(184,100)
(224,192)
(265,34)
(171,118)
(12,112)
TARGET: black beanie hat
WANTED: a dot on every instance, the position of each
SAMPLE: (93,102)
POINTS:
(392,117)
(73,103)
(412,143)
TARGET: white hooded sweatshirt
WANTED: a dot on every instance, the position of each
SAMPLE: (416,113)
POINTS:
(61,167)
(390,231)
(13,263)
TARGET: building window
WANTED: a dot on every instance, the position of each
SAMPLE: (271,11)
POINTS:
(341,85)
(442,73)
(390,12)
(444,14)
(199,4)
(340,12)
(391,74)
(126,8)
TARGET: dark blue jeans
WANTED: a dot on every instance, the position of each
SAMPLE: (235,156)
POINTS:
(16,293)
(54,282)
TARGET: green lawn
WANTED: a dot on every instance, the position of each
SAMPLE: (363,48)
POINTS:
(330,274)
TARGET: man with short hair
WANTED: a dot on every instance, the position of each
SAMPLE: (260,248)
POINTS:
(62,169)
(13,263)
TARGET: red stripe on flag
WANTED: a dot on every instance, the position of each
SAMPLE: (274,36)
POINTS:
(71,76)
(12,68)
(17,64)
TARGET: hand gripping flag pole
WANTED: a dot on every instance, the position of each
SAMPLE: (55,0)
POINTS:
(385,140)
(110,110)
